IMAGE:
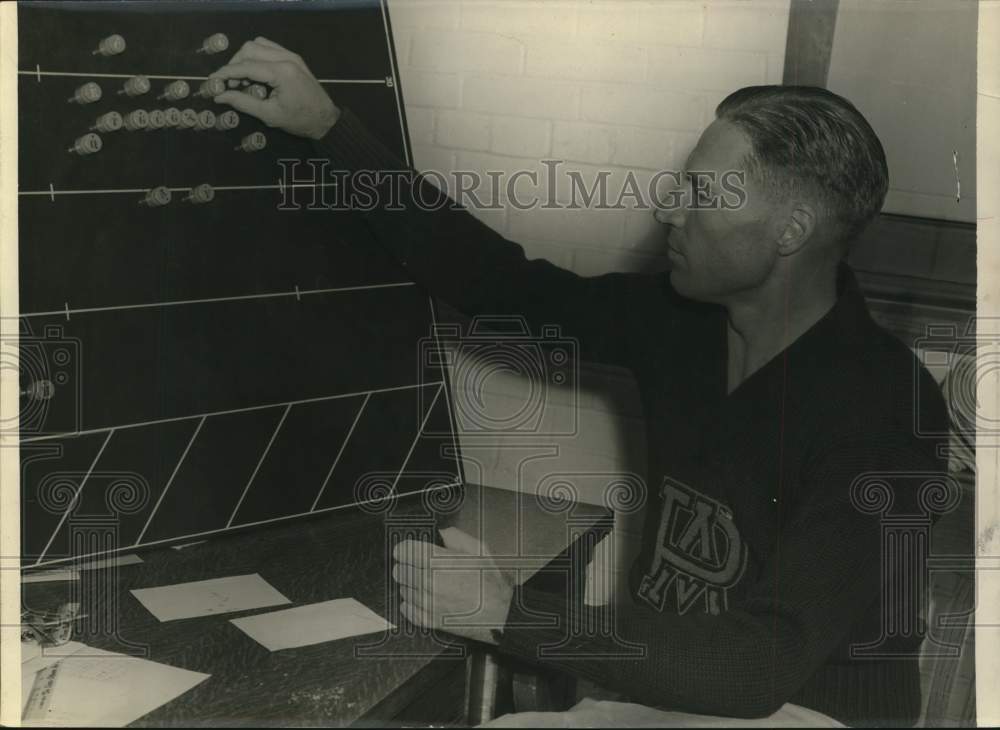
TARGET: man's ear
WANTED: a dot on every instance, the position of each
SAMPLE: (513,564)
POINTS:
(799,227)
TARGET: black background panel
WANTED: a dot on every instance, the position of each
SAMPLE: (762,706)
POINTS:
(342,39)
(219,353)
(149,364)
(117,253)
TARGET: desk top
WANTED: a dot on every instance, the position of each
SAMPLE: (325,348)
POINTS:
(342,554)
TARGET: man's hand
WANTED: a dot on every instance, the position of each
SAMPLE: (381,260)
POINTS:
(298,103)
(468,601)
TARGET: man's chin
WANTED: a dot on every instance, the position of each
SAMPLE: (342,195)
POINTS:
(679,281)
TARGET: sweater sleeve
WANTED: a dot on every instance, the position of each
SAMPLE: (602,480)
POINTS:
(460,260)
(822,577)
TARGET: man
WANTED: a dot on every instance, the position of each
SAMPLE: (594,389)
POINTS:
(776,412)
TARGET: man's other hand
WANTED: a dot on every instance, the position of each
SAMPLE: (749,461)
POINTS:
(297,104)
(458,589)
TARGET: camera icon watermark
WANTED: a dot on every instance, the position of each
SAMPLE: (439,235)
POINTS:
(959,361)
(47,366)
(505,380)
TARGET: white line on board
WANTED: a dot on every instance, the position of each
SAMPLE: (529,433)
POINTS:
(76,496)
(297,293)
(420,431)
(265,406)
(38,73)
(52,192)
(170,481)
(395,85)
(343,446)
(445,372)
(260,462)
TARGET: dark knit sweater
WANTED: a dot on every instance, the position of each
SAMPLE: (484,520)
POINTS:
(758,574)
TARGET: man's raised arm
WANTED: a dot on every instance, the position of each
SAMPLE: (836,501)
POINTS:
(446,250)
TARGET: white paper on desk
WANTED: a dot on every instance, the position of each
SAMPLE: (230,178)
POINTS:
(95,687)
(209,597)
(45,576)
(316,623)
(34,659)
(116,562)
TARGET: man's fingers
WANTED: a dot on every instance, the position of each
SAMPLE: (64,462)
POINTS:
(409,575)
(256,70)
(265,51)
(413,552)
(463,542)
(420,599)
(252,51)
(260,108)
(415,614)
(269,43)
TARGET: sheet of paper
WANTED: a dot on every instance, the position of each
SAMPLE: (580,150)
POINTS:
(91,687)
(43,576)
(35,658)
(209,597)
(313,624)
(117,561)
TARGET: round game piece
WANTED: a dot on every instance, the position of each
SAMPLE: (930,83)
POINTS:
(157,120)
(175,91)
(253,142)
(86,94)
(201,194)
(88,144)
(135,86)
(227,120)
(215,43)
(173,116)
(108,122)
(110,46)
(211,88)
(39,390)
(136,119)
(189,118)
(206,120)
(156,197)
(258,91)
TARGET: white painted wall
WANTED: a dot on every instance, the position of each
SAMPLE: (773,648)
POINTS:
(910,68)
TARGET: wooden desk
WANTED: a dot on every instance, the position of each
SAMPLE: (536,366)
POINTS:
(342,554)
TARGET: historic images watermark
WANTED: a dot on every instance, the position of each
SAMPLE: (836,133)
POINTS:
(499,348)
(81,531)
(311,184)
(46,362)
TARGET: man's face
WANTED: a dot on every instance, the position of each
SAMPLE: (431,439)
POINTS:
(715,254)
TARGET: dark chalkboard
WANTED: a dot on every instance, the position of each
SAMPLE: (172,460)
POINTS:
(190,368)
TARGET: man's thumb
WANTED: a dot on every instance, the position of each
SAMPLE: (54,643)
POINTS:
(463,542)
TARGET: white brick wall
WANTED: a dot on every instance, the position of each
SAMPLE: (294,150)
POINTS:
(604,85)
(624,84)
